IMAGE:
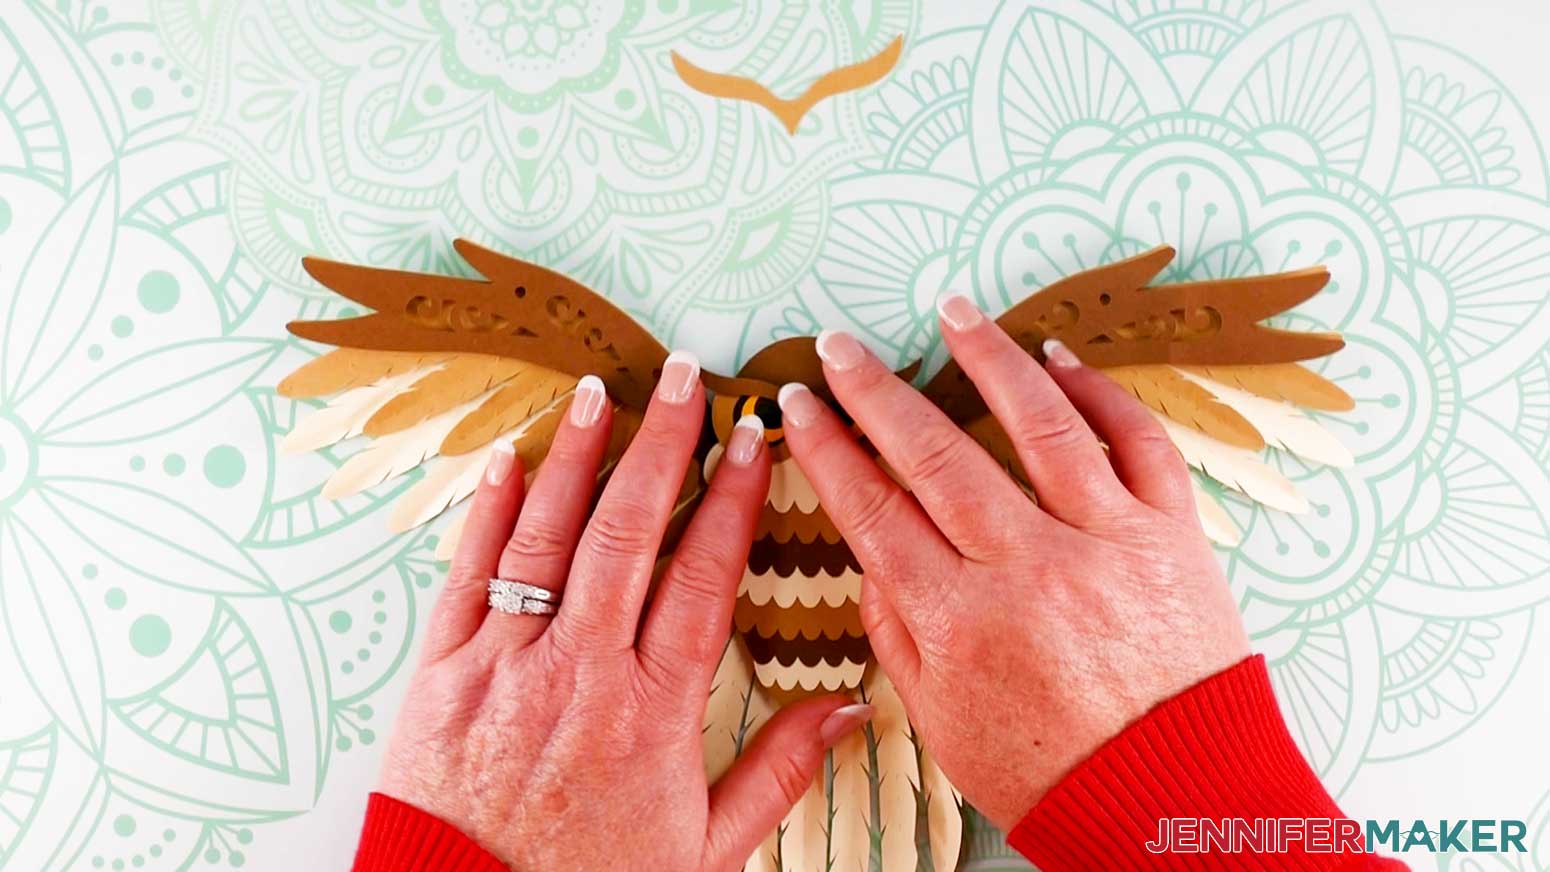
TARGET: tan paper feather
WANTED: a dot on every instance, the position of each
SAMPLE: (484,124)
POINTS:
(530,389)
(897,775)
(1166,390)
(1214,520)
(393,455)
(346,414)
(1282,424)
(345,368)
(804,835)
(944,814)
(850,837)
(462,378)
(1289,382)
(1235,468)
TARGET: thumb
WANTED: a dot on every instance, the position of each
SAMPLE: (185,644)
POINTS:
(754,796)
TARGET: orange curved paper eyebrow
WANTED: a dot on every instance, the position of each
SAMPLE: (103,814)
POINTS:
(790,112)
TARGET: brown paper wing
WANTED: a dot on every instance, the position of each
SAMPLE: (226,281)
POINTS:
(1223,386)
(444,367)
(518,311)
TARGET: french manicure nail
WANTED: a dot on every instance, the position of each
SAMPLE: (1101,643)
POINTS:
(502,457)
(747,438)
(959,311)
(679,375)
(1056,354)
(587,405)
(798,406)
(842,722)
(839,350)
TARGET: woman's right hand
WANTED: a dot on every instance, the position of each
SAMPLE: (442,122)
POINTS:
(1021,637)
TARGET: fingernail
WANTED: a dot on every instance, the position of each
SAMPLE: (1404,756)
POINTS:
(842,722)
(679,375)
(798,406)
(959,311)
(587,405)
(747,438)
(1056,354)
(839,350)
(502,457)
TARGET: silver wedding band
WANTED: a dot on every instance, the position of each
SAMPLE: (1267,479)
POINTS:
(521,598)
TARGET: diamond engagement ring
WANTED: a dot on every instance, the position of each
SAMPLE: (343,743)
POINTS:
(520,598)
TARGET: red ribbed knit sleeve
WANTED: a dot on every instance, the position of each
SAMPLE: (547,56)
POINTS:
(397,837)
(1218,750)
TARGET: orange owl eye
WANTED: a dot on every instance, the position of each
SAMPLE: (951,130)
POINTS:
(725,411)
(768,412)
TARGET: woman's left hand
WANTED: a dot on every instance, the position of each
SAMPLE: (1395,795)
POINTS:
(573,741)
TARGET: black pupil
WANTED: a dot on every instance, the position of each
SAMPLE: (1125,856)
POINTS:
(768,411)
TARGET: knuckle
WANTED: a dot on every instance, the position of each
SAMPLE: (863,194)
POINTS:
(1042,432)
(870,504)
(464,572)
(702,569)
(934,455)
(538,540)
(791,777)
(1146,436)
(665,427)
(623,532)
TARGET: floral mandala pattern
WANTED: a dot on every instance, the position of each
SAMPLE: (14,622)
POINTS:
(196,649)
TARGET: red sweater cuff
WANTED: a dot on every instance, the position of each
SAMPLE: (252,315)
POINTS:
(1218,750)
(397,837)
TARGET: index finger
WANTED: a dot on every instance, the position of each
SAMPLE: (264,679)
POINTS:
(900,550)
(964,490)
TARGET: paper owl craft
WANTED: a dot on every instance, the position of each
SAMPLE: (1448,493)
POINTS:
(443,367)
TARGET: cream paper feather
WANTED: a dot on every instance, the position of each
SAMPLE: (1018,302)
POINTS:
(346,415)
(1214,520)
(726,709)
(393,455)
(452,479)
(804,835)
(447,482)
(1240,470)
(1282,424)
(897,774)
(944,814)
(850,836)
(766,857)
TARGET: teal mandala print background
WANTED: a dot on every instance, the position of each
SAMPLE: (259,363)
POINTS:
(201,656)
